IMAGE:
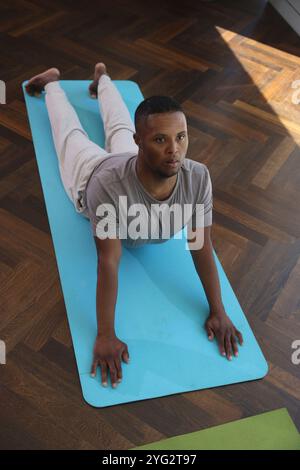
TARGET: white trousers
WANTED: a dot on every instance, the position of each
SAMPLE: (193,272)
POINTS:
(77,154)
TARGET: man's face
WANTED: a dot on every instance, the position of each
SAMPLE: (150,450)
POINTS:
(163,138)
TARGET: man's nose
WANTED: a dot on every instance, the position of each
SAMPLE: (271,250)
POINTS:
(172,147)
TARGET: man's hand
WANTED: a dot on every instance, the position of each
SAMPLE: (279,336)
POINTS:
(219,325)
(108,353)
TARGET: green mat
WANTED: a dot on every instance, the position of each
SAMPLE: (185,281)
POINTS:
(267,431)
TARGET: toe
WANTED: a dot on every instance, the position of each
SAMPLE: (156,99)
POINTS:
(93,90)
(29,89)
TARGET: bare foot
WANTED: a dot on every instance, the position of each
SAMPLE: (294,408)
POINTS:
(100,69)
(36,84)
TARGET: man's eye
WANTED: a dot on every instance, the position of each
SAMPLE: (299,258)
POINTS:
(162,139)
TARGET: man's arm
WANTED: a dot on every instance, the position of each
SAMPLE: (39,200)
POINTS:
(218,323)
(206,268)
(108,349)
(109,253)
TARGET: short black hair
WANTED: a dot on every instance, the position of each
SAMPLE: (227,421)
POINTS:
(154,105)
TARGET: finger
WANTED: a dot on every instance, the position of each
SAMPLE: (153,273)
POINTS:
(228,346)
(234,346)
(220,339)
(210,333)
(239,336)
(103,366)
(113,374)
(125,355)
(94,369)
(119,370)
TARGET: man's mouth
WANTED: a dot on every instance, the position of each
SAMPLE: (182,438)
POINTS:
(172,163)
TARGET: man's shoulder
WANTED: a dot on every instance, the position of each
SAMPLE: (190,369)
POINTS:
(193,166)
(195,171)
(114,167)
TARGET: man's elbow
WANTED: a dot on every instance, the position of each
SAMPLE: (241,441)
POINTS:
(199,239)
(109,251)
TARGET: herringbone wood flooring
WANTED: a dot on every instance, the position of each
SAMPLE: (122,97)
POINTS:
(231,65)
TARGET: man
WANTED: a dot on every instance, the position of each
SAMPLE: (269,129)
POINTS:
(145,163)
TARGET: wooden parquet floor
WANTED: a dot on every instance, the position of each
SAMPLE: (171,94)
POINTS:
(231,64)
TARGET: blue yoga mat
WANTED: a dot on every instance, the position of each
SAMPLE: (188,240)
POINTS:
(161,305)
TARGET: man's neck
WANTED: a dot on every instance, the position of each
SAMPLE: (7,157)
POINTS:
(160,188)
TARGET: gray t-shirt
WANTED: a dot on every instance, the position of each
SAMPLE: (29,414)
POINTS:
(116,176)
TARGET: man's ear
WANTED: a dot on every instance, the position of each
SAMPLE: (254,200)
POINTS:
(137,139)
